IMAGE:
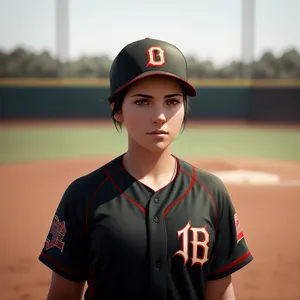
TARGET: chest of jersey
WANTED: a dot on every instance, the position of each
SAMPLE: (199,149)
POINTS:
(154,235)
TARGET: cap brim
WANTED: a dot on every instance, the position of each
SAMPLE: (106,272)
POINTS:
(188,88)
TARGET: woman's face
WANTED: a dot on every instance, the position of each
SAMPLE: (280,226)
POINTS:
(153,112)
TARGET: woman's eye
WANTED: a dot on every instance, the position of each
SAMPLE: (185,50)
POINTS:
(173,102)
(141,102)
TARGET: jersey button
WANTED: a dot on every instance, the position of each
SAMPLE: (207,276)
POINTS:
(155,219)
(157,265)
(156,199)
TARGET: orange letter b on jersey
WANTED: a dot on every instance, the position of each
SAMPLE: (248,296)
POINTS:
(196,243)
(156,57)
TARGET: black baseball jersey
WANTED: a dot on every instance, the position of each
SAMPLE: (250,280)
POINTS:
(127,240)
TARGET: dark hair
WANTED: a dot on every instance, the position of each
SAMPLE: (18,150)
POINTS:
(118,99)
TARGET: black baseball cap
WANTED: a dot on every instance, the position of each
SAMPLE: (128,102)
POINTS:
(148,57)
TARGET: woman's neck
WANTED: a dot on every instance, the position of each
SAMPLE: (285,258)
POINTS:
(155,169)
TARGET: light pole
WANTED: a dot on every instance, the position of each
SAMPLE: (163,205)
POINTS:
(62,37)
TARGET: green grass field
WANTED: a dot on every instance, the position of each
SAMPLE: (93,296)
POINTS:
(33,144)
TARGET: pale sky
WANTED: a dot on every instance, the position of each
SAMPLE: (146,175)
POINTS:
(209,29)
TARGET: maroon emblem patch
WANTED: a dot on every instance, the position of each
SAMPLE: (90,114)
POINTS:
(239,231)
(56,235)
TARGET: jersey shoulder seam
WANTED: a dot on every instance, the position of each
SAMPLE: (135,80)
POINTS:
(204,186)
(103,180)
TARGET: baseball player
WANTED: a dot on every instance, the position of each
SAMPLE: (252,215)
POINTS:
(146,225)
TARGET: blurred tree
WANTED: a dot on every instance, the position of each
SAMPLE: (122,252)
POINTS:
(42,65)
(103,66)
(23,63)
(199,69)
(261,70)
(290,61)
(232,70)
(82,68)
(16,62)
(90,67)
(3,62)
(267,66)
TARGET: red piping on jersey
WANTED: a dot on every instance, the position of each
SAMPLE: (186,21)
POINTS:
(90,202)
(211,197)
(234,263)
(185,193)
(123,193)
(58,265)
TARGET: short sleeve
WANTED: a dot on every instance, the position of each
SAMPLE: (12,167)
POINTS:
(230,252)
(65,247)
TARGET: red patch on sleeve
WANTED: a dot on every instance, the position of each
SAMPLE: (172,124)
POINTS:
(239,231)
(56,235)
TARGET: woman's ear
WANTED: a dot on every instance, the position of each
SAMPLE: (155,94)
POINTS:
(118,115)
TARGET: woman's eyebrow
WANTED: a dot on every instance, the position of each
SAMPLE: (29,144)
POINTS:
(150,96)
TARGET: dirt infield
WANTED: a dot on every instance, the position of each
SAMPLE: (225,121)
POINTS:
(268,212)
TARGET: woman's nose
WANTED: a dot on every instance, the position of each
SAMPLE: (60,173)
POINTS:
(159,118)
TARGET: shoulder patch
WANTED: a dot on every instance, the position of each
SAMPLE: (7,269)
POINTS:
(239,231)
(56,235)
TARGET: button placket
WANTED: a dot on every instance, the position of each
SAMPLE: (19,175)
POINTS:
(157,246)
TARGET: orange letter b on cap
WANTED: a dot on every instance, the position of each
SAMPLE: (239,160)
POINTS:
(156,56)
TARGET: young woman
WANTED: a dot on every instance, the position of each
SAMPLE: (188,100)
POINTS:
(147,225)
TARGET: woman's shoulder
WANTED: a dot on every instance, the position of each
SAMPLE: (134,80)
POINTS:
(87,183)
(203,177)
